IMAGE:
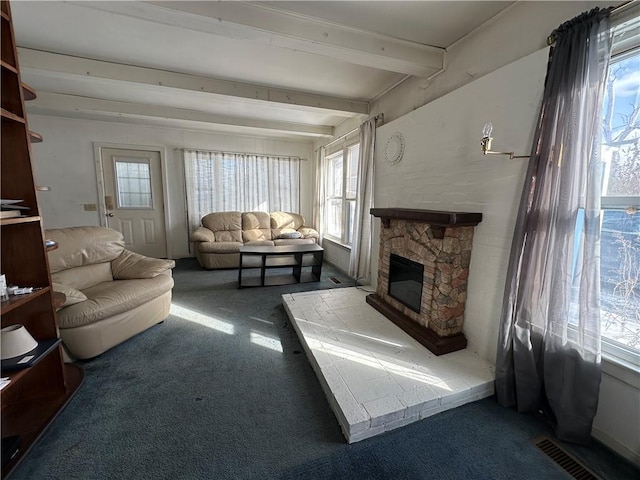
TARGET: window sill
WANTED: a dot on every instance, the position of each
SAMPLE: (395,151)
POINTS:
(624,371)
(337,243)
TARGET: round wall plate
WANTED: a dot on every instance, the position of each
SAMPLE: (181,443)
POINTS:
(395,148)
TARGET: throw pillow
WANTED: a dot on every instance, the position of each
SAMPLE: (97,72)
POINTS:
(290,235)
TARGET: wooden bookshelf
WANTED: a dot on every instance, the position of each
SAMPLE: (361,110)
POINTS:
(35,395)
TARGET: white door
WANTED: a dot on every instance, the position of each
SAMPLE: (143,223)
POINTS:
(133,199)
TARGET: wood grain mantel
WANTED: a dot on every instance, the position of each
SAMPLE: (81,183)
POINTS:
(432,217)
(441,242)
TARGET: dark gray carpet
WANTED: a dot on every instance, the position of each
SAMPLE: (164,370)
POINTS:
(231,396)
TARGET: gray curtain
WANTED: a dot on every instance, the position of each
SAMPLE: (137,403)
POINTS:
(360,259)
(548,355)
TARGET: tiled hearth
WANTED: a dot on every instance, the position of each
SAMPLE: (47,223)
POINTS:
(375,376)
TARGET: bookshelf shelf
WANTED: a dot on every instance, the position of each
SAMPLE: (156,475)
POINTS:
(19,220)
(16,301)
(28,92)
(35,137)
(11,116)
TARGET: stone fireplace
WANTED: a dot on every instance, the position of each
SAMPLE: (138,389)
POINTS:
(440,243)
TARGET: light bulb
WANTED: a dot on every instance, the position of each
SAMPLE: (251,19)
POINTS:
(487,129)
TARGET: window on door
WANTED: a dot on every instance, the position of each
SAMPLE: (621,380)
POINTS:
(133,183)
(341,191)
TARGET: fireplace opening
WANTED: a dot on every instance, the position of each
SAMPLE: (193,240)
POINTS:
(405,281)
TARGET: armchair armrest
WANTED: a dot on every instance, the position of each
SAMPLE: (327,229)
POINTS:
(130,265)
(202,234)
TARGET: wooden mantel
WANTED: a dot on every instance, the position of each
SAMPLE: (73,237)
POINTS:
(441,242)
(432,217)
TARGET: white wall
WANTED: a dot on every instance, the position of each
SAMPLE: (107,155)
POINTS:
(443,169)
(617,423)
(65,162)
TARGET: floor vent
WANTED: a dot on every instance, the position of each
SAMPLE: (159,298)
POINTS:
(335,279)
(563,459)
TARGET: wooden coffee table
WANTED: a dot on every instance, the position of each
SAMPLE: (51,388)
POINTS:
(305,262)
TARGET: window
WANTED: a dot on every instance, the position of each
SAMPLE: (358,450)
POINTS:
(341,190)
(620,230)
(222,182)
(133,183)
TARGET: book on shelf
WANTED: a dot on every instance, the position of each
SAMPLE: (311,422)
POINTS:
(9,213)
(9,208)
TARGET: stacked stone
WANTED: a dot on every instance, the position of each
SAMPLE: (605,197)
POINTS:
(445,253)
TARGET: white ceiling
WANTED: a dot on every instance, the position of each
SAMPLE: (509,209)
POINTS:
(288,69)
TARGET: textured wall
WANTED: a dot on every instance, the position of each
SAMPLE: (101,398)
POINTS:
(444,169)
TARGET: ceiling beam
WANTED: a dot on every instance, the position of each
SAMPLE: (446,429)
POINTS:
(267,25)
(67,64)
(56,103)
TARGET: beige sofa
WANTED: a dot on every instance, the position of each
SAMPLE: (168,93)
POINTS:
(111,293)
(217,242)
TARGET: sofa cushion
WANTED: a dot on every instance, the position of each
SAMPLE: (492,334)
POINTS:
(308,232)
(256,235)
(256,226)
(202,234)
(72,296)
(225,236)
(222,221)
(283,220)
(79,246)
(293,241)
(256,220)
(130,265)
(84,277)
(219,247)
(259,243)
(111,298)
(226,226)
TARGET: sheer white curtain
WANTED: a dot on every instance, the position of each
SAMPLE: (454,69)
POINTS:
(360,259)
(319,199)
(222,182)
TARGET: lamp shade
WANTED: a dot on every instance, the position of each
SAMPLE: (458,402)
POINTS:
(15,341)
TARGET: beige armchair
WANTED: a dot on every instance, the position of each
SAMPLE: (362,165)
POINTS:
(111,293)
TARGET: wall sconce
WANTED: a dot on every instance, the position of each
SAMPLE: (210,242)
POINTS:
(485,143)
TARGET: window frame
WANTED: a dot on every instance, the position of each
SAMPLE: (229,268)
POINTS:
(611,349)
(346,227)
(118,186)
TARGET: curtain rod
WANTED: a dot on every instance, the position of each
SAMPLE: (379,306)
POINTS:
(208,150)
(341,137)
(551,39)
(378,117)
(622,6)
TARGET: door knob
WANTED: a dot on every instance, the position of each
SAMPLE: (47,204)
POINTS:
(110,214)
